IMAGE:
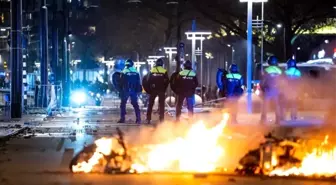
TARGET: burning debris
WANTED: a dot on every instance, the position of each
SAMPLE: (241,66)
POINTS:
(289,157)
(106,155)
(196,151)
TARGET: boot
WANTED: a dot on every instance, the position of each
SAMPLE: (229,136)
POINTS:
(121,121)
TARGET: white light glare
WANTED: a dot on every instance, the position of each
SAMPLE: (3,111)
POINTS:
(78,97)
(253,1)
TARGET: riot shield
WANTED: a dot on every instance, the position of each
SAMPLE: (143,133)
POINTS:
(116,80)
(220,80)
(146,84)
(173,84)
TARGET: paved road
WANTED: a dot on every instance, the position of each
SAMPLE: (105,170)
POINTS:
(95,179)
(55,141)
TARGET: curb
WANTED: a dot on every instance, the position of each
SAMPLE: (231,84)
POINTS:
(13,134)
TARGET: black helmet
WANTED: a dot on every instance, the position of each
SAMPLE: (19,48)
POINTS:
(129,63)
(233,68)
(291,63)
(159,62)
(187,65)
(272,61)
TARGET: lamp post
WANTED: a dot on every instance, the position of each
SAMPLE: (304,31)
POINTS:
(151,60)
(194,36)
(138,65)
(249,51)
(170,51)
(284,40)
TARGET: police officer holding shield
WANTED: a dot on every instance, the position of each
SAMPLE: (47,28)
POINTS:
(130,87)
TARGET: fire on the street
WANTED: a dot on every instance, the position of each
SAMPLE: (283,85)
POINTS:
(197,151)
(320,162)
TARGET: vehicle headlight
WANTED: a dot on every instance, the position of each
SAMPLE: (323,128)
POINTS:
(78,97)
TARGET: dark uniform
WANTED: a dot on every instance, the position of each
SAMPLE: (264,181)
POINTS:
(293,76)
(158,81)
(116,77)
(186,83)
(270,85)
(234,82)
(130,87)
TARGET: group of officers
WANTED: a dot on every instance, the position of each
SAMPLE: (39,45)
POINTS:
(184,83)
(128,84)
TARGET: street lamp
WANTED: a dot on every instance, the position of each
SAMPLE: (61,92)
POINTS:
(194,36)
(170,51)
(249,51)
(284,39)
(151,60)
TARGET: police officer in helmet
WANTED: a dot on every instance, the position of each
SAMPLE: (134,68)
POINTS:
(234,83)
(158,82)
(130,87)
(186,83)
(270,85)
(293,75)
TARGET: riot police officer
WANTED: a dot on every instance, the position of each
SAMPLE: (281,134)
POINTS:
(270,85)
(293,74)
(130,87)
(158,82)
(234,83)
(186,83)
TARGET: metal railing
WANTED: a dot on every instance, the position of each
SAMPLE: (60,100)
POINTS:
(39,98)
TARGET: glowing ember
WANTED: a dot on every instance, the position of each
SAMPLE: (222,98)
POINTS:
(197,151)
(320,162)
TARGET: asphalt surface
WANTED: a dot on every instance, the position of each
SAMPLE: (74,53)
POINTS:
(47,178)
(42,154)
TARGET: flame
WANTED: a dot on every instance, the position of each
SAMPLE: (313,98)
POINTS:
(320,162)
(197,151)
(104,146)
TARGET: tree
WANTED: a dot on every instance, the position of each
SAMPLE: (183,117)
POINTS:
(126,28)
(295,16)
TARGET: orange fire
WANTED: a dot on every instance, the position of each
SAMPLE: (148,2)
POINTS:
(320,162)
(104,146)
(197,150)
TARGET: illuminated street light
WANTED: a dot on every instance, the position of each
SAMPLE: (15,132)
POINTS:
(249,50)
(194,36)
(279,25)
(151,60)
(326,41)
(170,51)
(298,48)
(138,65)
